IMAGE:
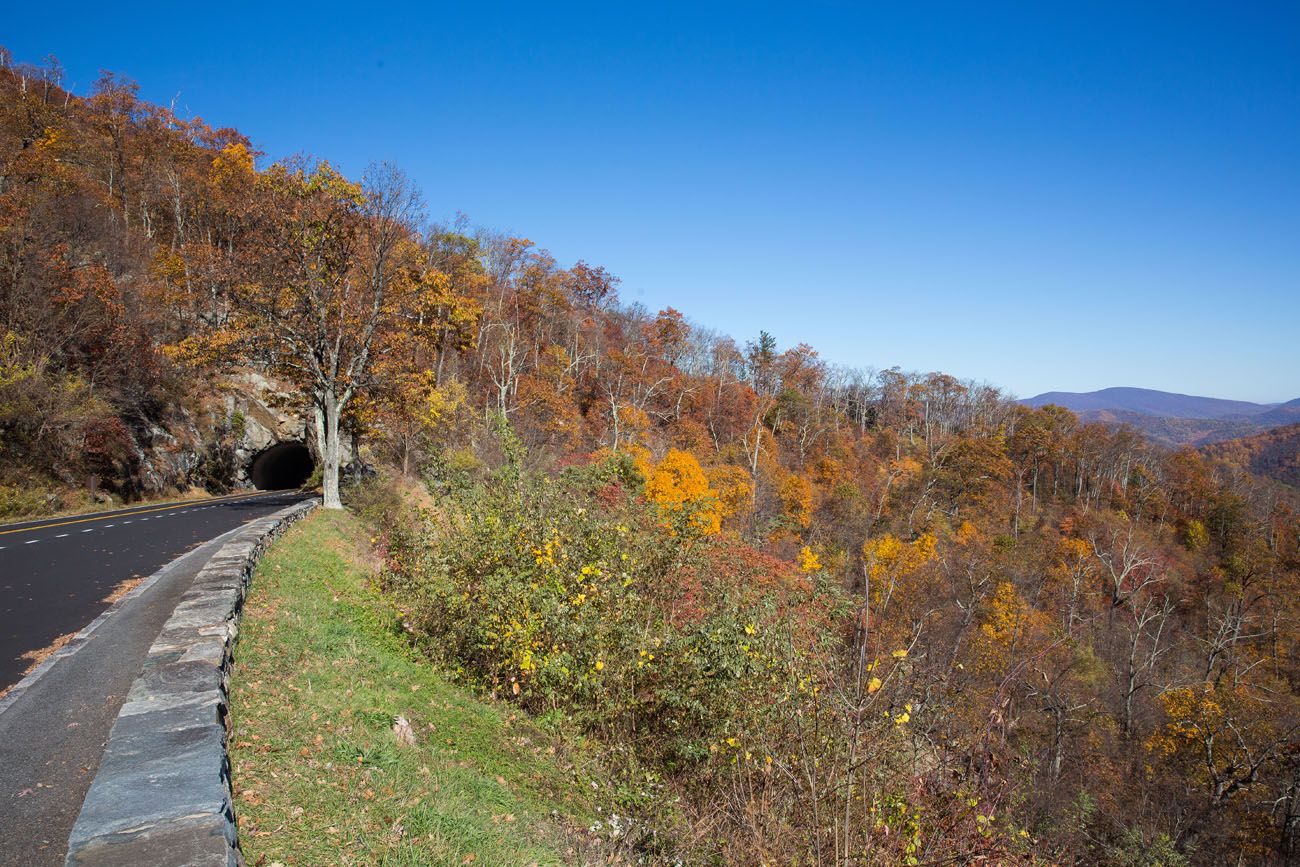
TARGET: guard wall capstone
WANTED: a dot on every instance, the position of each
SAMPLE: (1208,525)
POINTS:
(162,793)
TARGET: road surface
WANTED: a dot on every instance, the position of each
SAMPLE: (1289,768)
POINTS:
(53,576)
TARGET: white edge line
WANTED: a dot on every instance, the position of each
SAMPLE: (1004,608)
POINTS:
(79,640)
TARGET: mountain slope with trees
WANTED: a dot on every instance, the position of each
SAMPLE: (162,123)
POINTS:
(812,613)
(1274,454)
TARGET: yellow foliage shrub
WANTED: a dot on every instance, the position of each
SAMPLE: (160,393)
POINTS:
(890,557)
(733,488)
(679,484)
(796,495)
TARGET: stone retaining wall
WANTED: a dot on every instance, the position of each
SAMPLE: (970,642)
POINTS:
(162,793)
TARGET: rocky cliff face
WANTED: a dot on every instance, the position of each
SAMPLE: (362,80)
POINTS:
(268,417)
(168,458)
(215,447)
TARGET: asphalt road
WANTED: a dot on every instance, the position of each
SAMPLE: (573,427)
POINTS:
(53,727)
(55,574)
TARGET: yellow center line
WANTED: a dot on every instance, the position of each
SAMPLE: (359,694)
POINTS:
(128,514)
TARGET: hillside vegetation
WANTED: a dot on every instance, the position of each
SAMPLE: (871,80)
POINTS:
(812,615)
(1274,454)
(97,197)
(319,774)
(1175,432)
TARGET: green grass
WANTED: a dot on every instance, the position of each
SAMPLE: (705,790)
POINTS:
(319,776)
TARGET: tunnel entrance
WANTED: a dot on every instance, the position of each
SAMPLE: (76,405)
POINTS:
(283,465)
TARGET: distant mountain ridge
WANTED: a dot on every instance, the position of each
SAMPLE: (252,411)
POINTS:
(1283,413)
(1173,419)
(1151,402)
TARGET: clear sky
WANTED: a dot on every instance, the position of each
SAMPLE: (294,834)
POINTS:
(1040,195)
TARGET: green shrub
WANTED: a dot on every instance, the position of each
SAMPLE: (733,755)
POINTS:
(315,480)
(377,499)
(708,669)
(562,594)
(20,502)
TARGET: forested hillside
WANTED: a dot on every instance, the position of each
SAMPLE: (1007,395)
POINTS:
(817,615)
(1274,453)
(92,193)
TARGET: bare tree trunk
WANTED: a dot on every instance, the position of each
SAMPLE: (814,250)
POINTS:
(327,440)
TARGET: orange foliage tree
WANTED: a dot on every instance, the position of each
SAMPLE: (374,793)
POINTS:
(679,486)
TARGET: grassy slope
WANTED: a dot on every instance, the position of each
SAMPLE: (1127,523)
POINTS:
(320,778)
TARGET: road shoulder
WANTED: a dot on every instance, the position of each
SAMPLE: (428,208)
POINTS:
(54,722)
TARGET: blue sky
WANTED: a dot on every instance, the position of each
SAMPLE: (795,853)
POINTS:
(1037,195)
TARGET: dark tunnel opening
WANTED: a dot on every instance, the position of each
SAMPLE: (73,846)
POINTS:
(283,465)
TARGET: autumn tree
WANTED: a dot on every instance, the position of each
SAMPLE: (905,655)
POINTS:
(432,318)
(324,270)
(679,486)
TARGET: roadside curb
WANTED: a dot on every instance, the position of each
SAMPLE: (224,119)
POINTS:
(162,794)
(72,647)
